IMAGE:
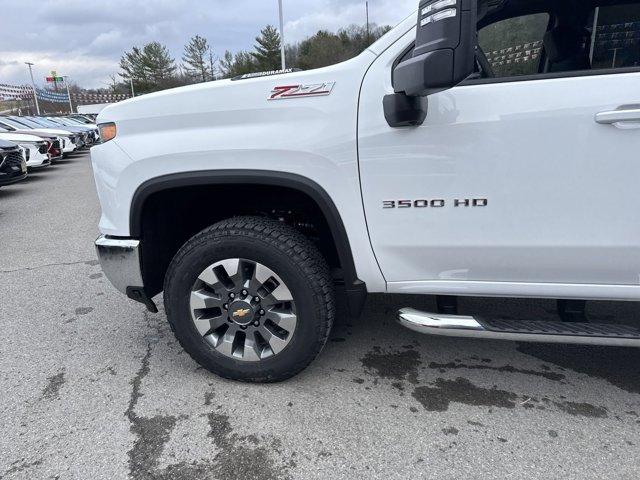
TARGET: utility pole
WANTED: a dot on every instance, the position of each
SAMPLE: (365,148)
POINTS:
(66,82)
(133,93)
(282,46)
(33,83)
(368,34)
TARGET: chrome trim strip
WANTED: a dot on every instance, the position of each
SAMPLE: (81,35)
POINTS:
(120,261)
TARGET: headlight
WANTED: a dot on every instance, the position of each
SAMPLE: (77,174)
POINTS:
(108,131)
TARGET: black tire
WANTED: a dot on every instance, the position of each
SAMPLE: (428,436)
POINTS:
(291,256)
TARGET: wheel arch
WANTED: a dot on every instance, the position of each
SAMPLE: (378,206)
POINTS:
(355,288)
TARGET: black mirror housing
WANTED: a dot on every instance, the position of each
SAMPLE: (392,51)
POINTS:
(444,54)
(403,111)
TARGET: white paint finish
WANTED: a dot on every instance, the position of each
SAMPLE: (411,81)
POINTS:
(562,189)
(232,125)
(26,141)
(19,138)
(560,222)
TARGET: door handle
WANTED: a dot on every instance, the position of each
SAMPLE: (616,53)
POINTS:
(631,115)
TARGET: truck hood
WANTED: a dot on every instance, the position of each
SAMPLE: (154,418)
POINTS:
(248,95)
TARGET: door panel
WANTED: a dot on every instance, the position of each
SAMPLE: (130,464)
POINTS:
(561,190)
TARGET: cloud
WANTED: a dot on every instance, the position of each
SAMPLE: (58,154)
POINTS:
(334,15)
(85,40)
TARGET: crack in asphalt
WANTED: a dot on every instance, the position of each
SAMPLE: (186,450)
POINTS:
(48,265)
(153,433)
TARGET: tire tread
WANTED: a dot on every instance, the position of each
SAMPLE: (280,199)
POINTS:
(291,243)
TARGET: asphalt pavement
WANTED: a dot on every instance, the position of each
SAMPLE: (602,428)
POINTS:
(93,387)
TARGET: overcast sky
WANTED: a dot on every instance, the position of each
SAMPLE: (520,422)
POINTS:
(85,39)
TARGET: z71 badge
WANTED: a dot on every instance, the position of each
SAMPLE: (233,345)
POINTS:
(297,91)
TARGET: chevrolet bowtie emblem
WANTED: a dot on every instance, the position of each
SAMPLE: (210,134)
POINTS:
(241,313)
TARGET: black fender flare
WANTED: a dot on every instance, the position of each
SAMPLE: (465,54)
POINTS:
(356,288)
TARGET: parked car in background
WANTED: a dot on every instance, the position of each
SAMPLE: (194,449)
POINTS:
(55,142)
(81,135)
(91,130)
(70,139)
(35,149)
(83,119)
(13,166)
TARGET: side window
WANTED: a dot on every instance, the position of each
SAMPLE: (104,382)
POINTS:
(514,46)
(617,40)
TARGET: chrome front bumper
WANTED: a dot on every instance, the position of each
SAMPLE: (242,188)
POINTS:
(120,260)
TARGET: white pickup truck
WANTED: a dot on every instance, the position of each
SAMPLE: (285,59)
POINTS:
(480,148)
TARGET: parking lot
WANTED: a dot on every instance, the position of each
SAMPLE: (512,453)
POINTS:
(93,387)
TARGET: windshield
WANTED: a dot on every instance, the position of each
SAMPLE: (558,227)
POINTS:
(22,122)
(55,121)
(71,121)
(43,122)
(66,121)
(7,126)
(81,120)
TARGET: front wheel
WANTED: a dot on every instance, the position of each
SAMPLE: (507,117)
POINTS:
(250,299)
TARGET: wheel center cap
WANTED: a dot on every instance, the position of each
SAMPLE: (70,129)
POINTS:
(241,312)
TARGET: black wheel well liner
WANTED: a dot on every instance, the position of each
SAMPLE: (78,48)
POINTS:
(356,289)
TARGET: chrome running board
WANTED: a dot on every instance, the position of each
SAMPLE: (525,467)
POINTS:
(519,331)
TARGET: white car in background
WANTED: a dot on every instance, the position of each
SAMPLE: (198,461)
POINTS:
(55,143)
(69,143)
(34,149)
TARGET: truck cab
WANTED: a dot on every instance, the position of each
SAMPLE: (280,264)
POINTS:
(480,148)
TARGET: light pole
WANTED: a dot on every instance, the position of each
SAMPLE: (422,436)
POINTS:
(368,30)
(133,93)
(282,46)
(66,82)
(33,83)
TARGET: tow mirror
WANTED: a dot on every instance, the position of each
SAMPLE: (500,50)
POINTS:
(443,57)
(445,48)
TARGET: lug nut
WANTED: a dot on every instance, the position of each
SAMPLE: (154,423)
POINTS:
(256,299)
(232,295)
(243,328)
(256,324)
(226,306)
(244,292)
(262,312)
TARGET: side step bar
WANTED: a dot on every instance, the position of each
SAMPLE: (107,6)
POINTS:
(519,331)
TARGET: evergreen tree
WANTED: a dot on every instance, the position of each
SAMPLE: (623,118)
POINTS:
(197,58)
(132,66)
(326,48)
(158,62)
(267,49)
(238,64)
(151,67)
